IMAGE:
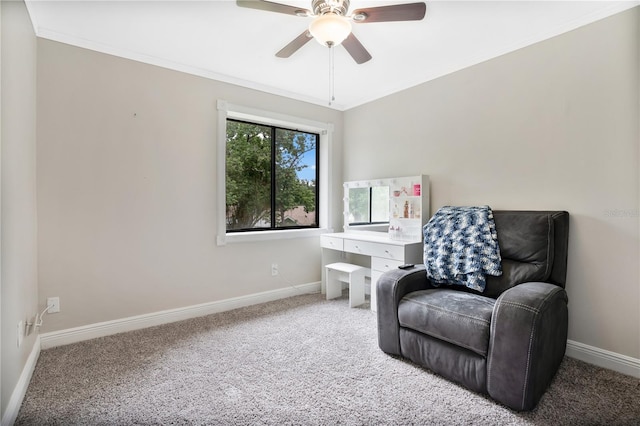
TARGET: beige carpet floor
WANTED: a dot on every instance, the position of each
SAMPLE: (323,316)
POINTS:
(297,361)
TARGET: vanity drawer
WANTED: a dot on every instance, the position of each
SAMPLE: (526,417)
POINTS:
(333,243)
(387,251)
(384,265)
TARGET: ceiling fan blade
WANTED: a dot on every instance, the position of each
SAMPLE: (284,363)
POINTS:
(397,12)
(356,49)
(295,44)
(273,7)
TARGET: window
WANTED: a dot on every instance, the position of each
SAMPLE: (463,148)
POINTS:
(271,177)
(291,200)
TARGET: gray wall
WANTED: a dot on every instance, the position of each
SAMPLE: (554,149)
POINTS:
(551,126)
(18,190)
(127,205)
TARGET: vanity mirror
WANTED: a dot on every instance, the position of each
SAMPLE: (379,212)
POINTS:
(398,206)
(368,205)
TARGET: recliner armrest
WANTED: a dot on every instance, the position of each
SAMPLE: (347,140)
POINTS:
(390,289)
(527,343)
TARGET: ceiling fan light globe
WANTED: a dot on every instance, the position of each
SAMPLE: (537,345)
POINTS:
(330,29)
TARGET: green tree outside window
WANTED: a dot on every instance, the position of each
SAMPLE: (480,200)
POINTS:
(271,177)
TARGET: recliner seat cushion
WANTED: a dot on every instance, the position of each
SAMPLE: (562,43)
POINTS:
(457,317)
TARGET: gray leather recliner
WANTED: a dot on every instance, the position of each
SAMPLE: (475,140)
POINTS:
(508,341)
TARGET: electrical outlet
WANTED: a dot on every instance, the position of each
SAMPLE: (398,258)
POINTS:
(274,269)
(54,303)
(20,332)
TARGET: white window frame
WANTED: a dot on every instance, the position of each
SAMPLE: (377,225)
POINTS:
(239,112)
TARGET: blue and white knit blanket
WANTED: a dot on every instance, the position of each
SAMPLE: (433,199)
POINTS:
(461,246)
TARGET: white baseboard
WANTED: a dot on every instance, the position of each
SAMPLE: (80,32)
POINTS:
(603,358)
(20,390)
(107,328)
(593,355)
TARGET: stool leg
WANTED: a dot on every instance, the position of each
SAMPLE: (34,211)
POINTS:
(356,289)
(334,286)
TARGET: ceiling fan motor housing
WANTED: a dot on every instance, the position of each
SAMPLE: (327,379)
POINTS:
(321,7)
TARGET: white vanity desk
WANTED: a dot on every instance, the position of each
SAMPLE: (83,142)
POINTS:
(384,253)
(396,207)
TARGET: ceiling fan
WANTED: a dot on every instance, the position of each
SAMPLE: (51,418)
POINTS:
(331,25)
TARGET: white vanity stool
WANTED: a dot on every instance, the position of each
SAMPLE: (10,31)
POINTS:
(338,273)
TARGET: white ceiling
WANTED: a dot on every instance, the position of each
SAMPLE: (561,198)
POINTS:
(220,40)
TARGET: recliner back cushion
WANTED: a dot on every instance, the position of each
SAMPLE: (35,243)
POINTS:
(526,246)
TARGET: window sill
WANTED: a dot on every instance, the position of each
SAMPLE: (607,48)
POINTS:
(250,237)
